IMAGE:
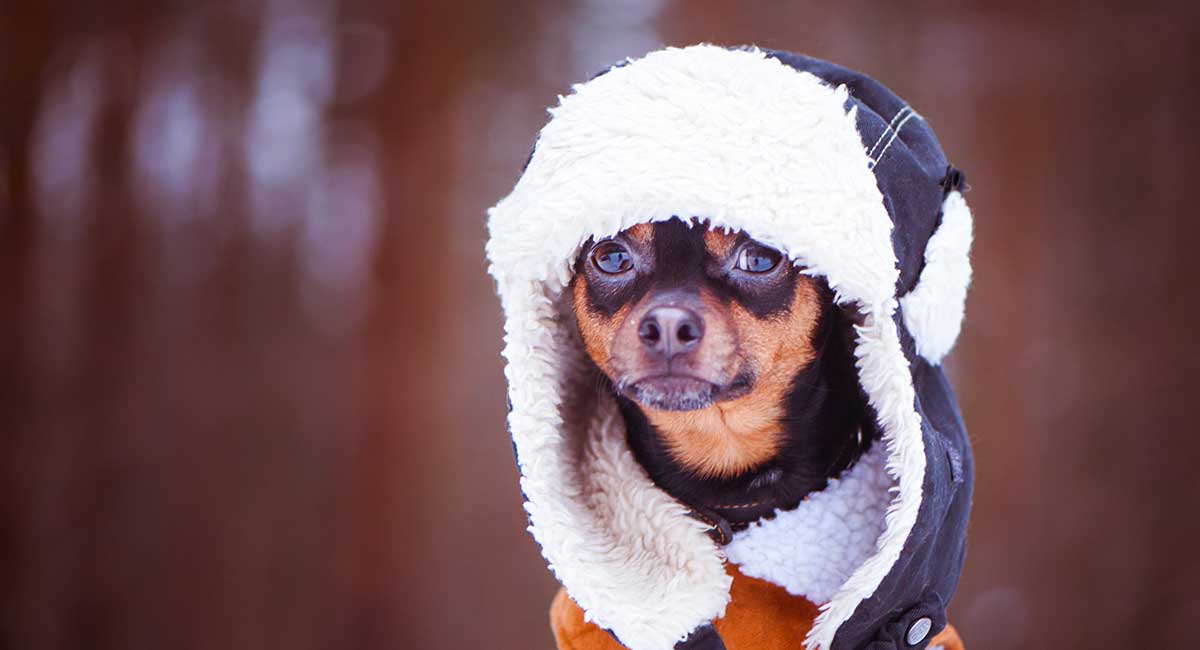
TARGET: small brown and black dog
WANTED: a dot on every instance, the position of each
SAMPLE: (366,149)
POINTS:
(735,375)
(733,369)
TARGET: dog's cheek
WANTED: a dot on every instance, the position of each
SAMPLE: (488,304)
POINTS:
(780,346)
(720,351)
(594,329)
(757,345)
(796,330)
(627,352)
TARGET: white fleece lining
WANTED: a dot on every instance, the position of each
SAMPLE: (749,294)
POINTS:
(933,310)
(812,549)
(744,141)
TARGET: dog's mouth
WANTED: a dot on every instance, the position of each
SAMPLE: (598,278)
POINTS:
(677,392)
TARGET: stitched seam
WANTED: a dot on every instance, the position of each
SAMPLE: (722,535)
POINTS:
(749,505)
(886,130)
(739,505)
(712,525)
(893,138)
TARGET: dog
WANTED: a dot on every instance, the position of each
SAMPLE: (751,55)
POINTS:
(733,369)
(734,372)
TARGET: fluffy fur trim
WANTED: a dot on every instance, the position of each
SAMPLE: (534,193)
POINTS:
(812,550)
(884,374)
(933,310)
(747,143)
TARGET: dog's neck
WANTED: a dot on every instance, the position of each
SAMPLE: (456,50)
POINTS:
(827,427)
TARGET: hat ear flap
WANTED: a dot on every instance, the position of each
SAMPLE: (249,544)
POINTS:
(933,310)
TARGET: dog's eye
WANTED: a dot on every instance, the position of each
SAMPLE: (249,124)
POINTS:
(758,259)
(611,258)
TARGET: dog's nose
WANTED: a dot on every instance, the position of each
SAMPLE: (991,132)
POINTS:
(669,331)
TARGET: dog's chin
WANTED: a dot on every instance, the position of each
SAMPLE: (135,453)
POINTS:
(673,393)
(681,393)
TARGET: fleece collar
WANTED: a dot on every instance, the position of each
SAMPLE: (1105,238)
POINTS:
(742,140)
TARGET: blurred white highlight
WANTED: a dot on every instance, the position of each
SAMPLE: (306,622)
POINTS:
(62,167)
(285,133)
(337,241)
(312,175)
(604,32)
(179,139)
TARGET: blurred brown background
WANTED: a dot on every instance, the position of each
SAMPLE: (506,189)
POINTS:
(250,385)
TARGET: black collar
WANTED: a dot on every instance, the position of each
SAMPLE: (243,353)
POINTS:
(726,518)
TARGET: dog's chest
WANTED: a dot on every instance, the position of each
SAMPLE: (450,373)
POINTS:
(813,549)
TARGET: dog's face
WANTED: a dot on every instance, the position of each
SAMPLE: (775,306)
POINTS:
(703,330)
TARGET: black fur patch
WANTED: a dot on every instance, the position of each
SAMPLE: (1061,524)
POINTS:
(691,267)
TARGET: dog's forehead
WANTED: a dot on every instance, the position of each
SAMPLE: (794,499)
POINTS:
(718,242)
(642,234)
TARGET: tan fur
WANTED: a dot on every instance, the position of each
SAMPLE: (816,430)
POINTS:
(736,435)
(641,234)
(597,332)
(719,243)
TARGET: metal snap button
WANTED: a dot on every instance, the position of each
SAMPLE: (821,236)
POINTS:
(918,630)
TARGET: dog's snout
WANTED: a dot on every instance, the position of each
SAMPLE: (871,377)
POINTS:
(669,331)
